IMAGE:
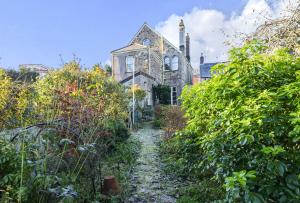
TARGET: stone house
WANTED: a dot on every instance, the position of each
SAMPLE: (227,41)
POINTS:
(150,60)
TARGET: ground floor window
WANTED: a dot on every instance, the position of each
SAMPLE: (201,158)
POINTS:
(149,99)
(173,95)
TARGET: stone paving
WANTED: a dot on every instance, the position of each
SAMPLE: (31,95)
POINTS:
(149,183)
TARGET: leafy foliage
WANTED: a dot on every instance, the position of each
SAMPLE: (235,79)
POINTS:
(5,91)
(16,105)
(108,69)
(23,75)
(162,94)
(243,127)
(69,123)
(10,173)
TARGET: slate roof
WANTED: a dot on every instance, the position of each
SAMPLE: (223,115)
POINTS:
(205,69)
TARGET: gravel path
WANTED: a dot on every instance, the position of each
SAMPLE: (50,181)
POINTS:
(149,183)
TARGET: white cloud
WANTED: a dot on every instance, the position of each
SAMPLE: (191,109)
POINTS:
(209,29)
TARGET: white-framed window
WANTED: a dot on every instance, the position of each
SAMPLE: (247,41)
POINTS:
(146,42)
(129,63)
(173,95)
(175,62)
(167,63)
(149,98)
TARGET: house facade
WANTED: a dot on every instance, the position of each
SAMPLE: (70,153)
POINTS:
(150,60)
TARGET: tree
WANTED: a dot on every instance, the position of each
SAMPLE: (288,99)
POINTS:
(283,32)
(108,69)
(5,92)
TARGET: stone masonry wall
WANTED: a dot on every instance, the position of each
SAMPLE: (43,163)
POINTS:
(177,78)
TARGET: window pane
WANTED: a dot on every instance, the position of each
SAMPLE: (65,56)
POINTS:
(129,63)
(174,95)
(175,63)
(146,42)
(167,63)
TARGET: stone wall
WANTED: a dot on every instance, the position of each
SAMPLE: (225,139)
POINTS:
(119,63)
(145,83)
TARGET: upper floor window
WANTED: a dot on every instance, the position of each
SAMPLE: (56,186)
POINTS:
(175,63)
(167,63)
(129,63)
(146,42)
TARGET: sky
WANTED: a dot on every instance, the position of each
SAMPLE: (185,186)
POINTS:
(53,32)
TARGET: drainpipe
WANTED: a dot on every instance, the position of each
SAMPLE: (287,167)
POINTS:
(149,66)
(171,96)
(133,99)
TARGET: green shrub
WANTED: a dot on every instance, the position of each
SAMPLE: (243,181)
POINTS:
(162,93)
(202,192)
(118,129)
(147,113)
(157,123)
(12,171)
(245,127)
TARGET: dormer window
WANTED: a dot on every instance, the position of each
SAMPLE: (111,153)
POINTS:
(129,63)
(175,64)
(146,42)
(167,63)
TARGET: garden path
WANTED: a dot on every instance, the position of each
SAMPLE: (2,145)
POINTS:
(149,182)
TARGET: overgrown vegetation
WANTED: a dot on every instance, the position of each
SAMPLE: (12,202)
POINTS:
(242,139)
(169,118)
(61,135)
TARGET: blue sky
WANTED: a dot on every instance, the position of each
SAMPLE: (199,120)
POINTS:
(35,31)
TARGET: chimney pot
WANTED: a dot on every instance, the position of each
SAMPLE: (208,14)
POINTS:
(201,59)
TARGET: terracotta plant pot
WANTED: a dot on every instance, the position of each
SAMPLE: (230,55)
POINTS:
(110,186)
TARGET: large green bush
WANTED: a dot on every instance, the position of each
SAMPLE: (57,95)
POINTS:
(244,127)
